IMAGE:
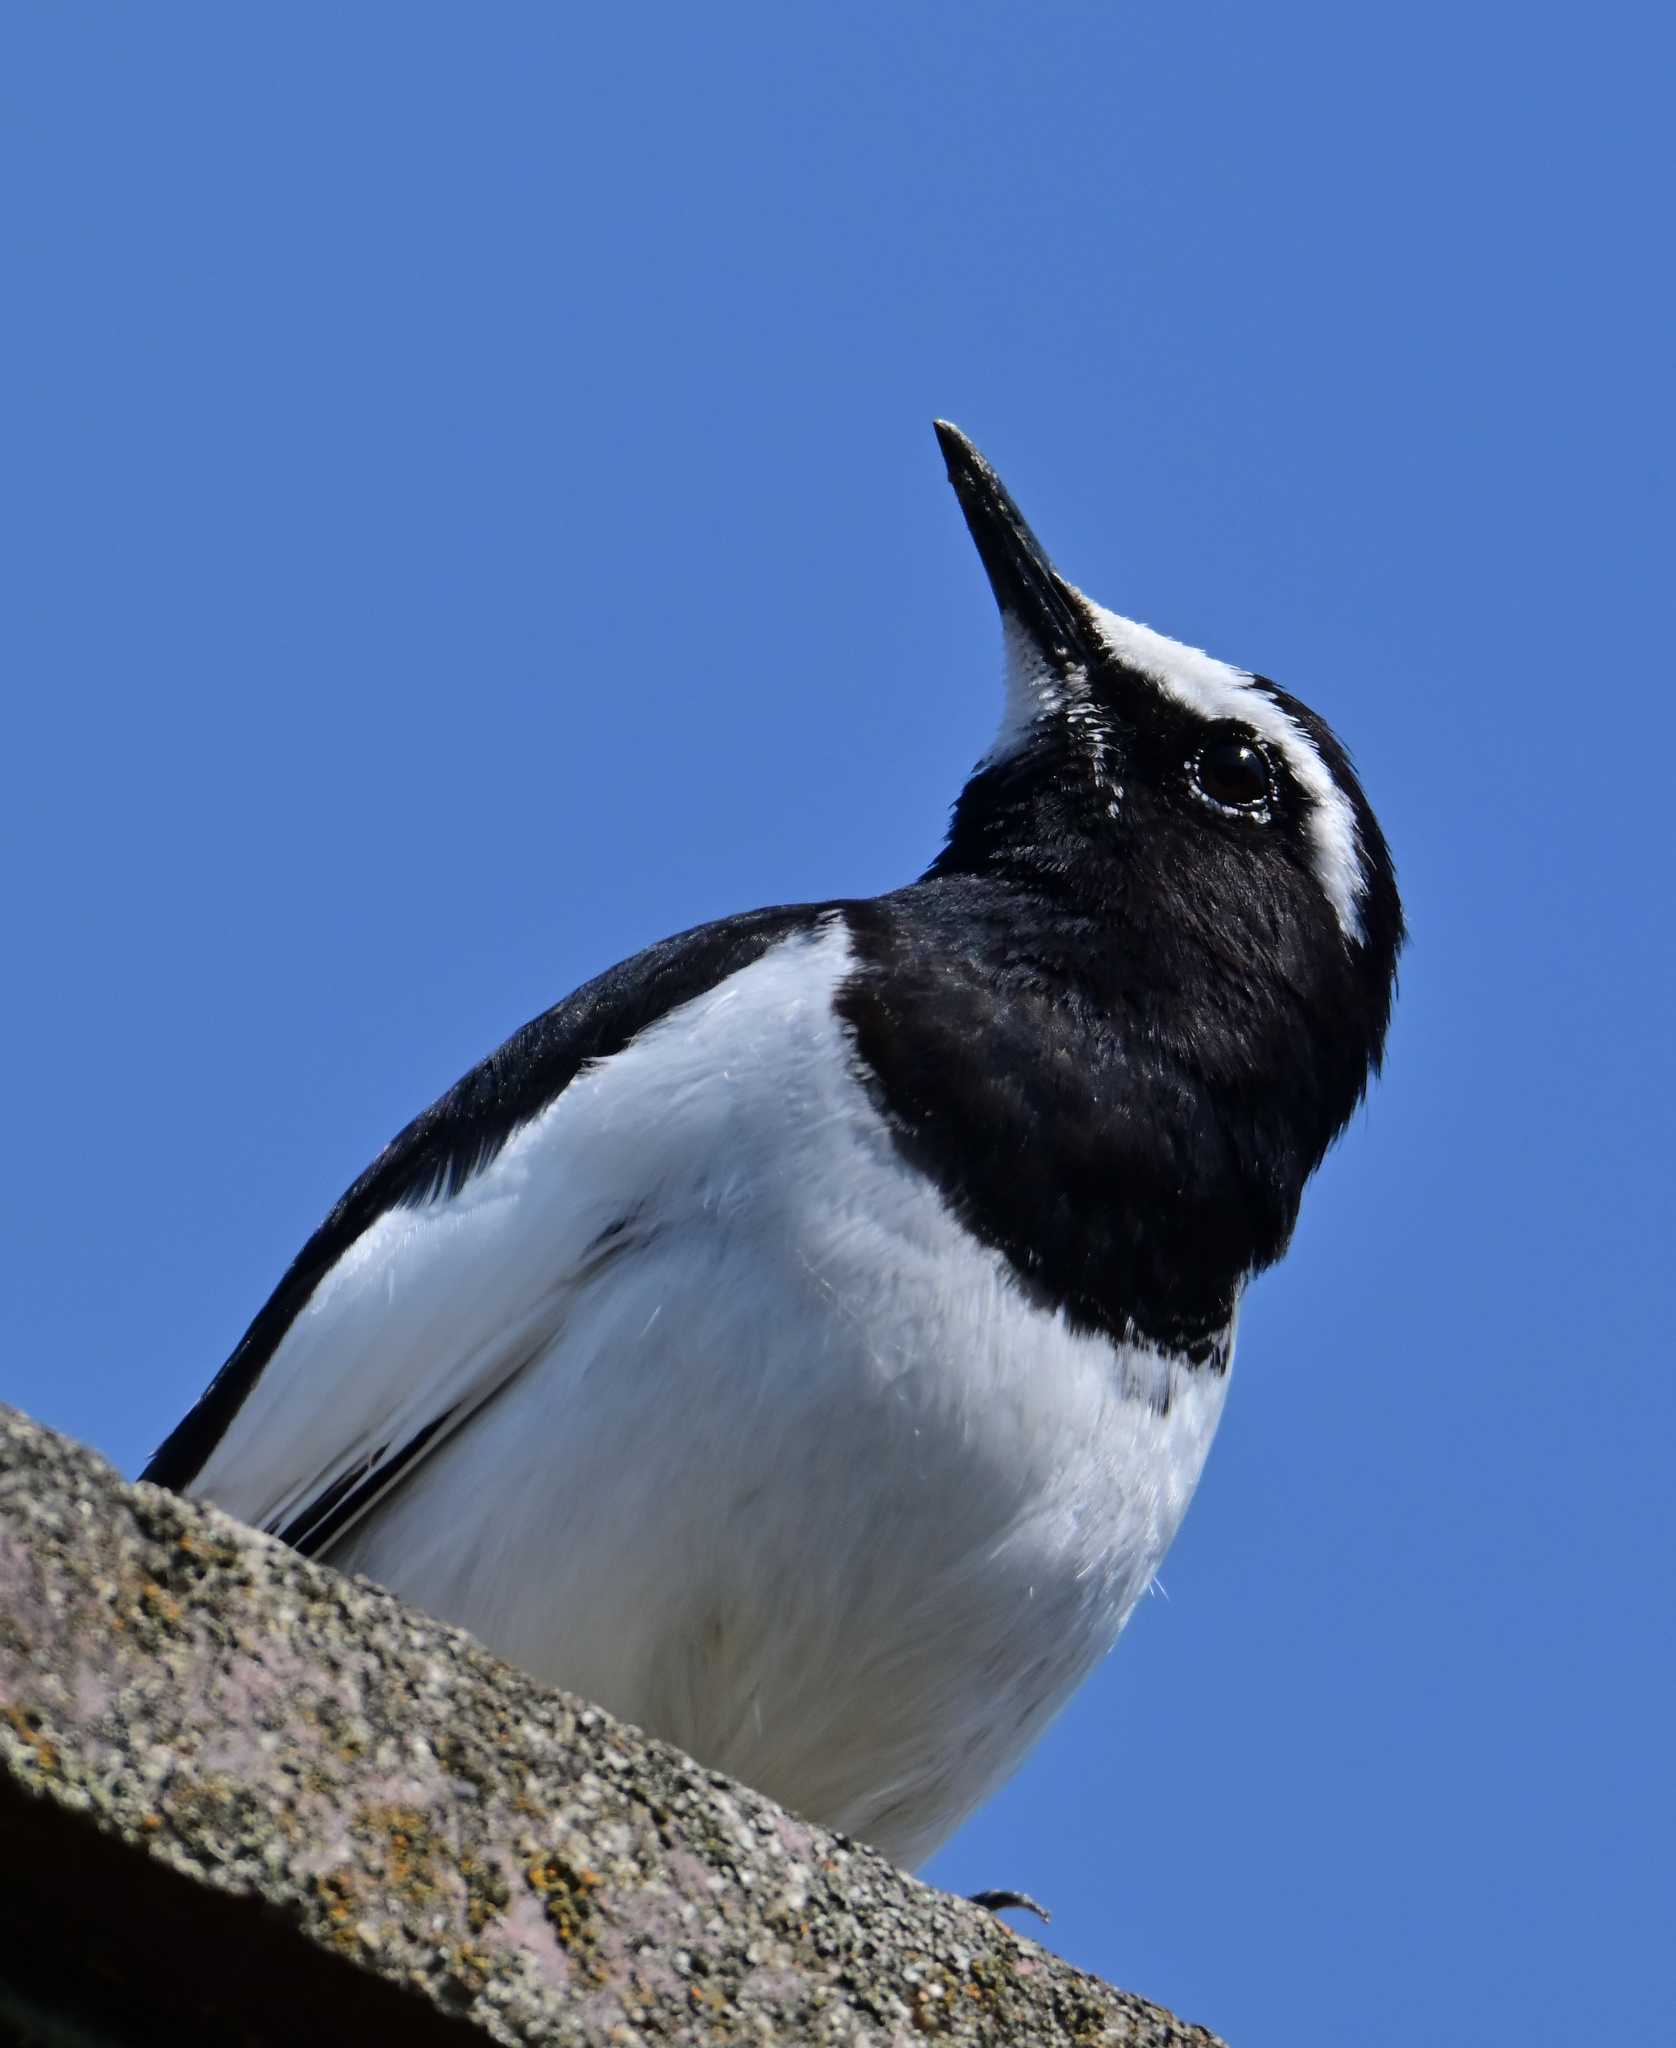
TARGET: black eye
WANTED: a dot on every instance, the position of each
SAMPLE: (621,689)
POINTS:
(1233,771)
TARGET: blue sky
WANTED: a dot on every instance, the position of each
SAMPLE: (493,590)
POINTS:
(471,509)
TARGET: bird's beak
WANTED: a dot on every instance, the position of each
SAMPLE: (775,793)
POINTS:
(1027,586)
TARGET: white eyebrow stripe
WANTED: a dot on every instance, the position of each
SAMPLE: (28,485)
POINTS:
(1215,689)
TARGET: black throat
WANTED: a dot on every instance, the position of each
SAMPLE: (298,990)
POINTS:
(1120,1138)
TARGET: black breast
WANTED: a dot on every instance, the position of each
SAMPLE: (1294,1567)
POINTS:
(1018,1071)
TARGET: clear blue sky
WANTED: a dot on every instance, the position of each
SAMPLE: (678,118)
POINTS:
(471,509)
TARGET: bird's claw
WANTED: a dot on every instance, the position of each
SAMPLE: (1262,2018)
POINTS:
(1008,1902)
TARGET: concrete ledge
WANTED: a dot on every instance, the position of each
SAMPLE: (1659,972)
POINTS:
(246,1800)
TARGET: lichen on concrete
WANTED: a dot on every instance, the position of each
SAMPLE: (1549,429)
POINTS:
(346,1782)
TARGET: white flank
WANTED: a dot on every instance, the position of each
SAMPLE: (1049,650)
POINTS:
(793,1475)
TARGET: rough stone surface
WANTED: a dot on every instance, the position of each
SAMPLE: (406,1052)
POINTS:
(245,1799)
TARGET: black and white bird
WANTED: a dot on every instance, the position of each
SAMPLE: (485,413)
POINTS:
(805,1339)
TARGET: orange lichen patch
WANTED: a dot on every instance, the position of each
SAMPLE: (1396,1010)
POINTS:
(336,1892)
(567,1894)
(44,1751)
(161,1604)
(709,1998)
(403,1851)
(417,1870)
(940,2000)
(487,1893)
(201,1552)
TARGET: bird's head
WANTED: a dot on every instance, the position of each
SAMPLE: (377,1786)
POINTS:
(1207,822)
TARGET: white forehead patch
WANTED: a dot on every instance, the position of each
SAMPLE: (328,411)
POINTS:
(1214,689)
(1034,688)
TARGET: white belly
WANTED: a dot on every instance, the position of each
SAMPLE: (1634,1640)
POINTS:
(804,1484)
(794,1475)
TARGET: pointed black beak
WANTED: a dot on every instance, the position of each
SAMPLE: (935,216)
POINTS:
(1027,587)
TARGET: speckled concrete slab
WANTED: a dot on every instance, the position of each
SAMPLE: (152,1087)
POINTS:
(245,1799)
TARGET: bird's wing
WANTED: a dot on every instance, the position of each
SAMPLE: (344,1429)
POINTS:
(417,1299)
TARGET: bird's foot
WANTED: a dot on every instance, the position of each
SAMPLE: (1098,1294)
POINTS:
(1008,1902)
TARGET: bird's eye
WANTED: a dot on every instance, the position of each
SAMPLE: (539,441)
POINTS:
(1233,772)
